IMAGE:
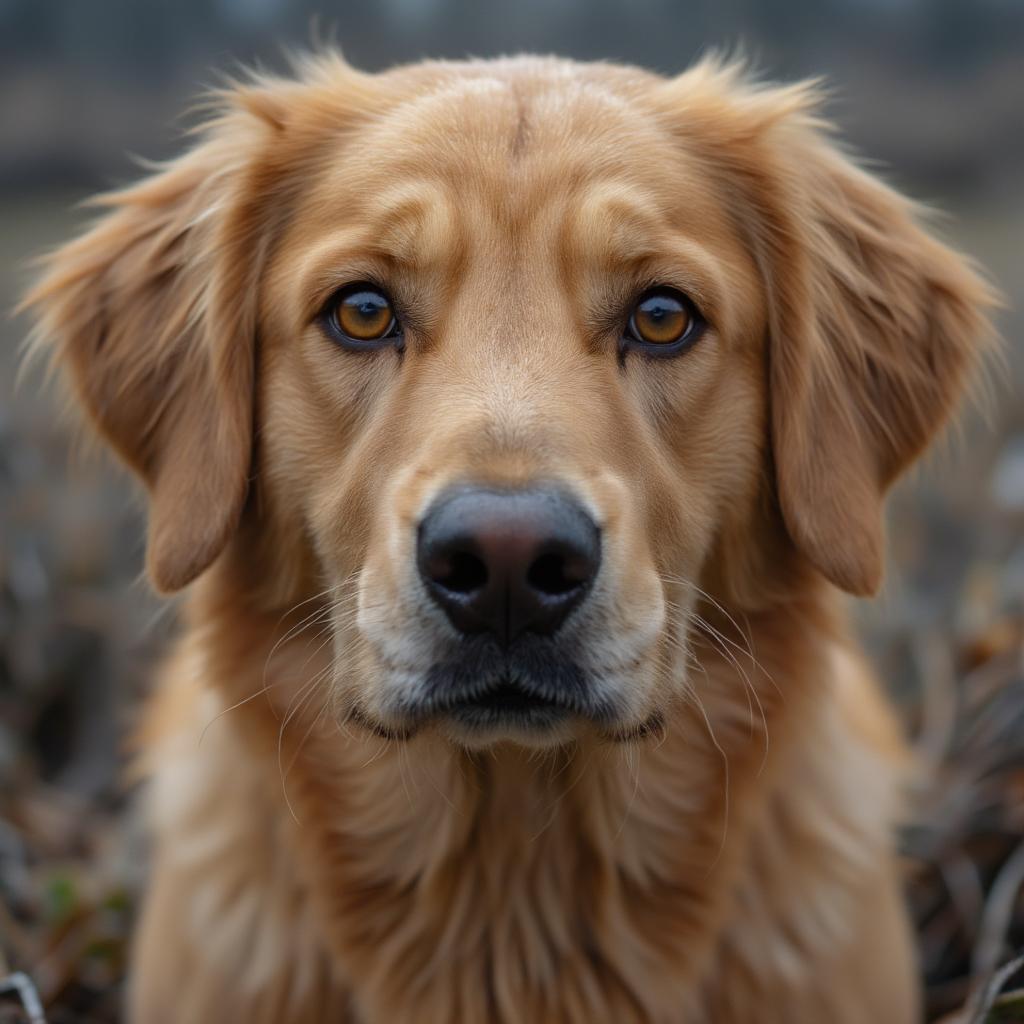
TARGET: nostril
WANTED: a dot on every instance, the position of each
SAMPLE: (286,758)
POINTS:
(462,573)
(556,575)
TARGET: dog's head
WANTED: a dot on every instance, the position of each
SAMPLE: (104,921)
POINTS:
(510,361)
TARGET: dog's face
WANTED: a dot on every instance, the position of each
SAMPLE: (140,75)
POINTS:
(512,378)
(535,354)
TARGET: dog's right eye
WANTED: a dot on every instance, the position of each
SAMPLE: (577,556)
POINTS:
(663,323)
(361,316)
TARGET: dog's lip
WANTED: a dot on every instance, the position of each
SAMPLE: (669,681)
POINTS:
(507,701)
(505,698)
(525,714)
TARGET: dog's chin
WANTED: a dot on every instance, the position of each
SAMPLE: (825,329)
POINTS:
(538,729)
(547,732)
(506,716)
(502,714)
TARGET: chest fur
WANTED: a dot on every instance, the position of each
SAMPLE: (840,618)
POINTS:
(595,884)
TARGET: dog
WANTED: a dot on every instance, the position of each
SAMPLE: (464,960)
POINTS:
(518,428)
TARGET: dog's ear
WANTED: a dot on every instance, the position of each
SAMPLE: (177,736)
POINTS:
(874,326)
(151,315)
(875,329)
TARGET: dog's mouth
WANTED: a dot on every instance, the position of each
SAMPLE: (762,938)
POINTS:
(509,708)
(506,702)
(533,685)
(535,692)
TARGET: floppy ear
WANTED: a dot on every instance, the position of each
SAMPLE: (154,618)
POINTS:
(152,316)
(874,326)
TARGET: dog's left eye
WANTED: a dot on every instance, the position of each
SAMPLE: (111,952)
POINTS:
(663,322)
(361,316)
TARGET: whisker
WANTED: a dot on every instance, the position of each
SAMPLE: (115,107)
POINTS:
(298,627)
(341,588)
(318,718)
(300,700)
(234,707)
(291,634)
(748,686)
(747,634)
(722,643)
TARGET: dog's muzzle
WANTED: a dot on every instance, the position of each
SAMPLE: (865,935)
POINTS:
(507,568)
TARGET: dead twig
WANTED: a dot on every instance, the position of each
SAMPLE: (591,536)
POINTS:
(980,1005)
(999,908)
(21,984)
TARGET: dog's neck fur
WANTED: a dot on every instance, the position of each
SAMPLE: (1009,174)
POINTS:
(447,868)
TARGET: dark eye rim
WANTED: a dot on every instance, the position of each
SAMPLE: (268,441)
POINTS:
(393,337)
(631,340)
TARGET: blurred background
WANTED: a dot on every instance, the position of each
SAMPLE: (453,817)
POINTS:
(931,90)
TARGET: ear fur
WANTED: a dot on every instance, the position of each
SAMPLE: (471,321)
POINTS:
(874,326)
(152,313)
(148,315)
(876,331)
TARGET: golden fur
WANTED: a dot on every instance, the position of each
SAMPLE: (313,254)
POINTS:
(723,855)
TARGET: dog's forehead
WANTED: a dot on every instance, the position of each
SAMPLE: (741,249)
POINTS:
(549,180)
(502,151)
(507,105)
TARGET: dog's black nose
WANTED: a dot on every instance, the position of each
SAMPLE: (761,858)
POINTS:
(508,562)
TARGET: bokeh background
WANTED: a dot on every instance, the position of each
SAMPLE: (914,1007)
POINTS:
(931,90)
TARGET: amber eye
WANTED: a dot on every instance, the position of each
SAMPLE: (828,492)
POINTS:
(361,313)
(662,317)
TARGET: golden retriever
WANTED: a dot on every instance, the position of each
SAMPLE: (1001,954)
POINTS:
(516,426)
